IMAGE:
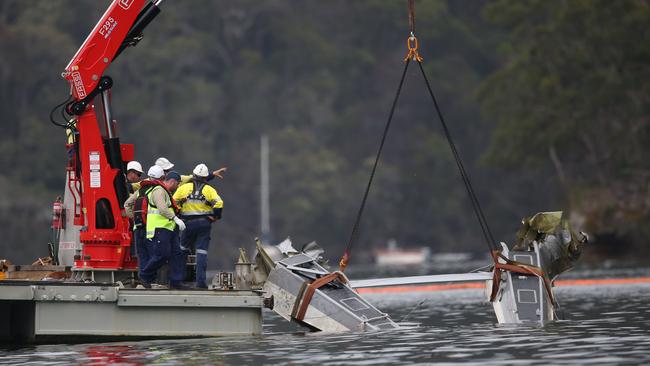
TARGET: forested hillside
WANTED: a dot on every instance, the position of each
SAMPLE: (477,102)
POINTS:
(548,102)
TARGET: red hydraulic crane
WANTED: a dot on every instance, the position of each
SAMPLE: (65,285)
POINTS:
(96,186)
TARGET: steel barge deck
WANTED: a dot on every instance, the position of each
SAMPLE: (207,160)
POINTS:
(47,311)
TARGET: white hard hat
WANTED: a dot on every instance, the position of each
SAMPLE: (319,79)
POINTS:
(201,170)
(156,172)
(164,163)
(134,165)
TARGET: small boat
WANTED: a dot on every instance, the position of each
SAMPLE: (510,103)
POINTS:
(392,255)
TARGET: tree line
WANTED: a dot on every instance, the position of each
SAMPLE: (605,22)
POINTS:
(547,101)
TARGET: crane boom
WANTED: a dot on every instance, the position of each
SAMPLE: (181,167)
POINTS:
(98,230)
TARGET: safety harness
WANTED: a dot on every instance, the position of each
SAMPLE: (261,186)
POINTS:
(197,195)
(198,198)
(142,203)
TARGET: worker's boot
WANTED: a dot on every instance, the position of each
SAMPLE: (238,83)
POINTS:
(143,285)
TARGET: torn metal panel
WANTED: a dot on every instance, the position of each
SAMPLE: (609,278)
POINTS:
(560,247)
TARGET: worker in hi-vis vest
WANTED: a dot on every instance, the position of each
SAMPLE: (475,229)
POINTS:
(139,241)
(160,230)
(200,207)
(134,174)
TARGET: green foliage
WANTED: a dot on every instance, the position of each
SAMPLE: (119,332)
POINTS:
(318,77)
(574,93)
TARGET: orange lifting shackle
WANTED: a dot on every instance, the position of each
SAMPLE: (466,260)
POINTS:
(412,45)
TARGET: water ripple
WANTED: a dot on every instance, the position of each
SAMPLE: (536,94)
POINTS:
(605,325)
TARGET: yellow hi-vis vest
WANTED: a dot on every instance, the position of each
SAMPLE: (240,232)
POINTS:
(197,206)
(154,219)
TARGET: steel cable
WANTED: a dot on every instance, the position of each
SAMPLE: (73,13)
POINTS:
(355,229)
(487,233)
(478,211)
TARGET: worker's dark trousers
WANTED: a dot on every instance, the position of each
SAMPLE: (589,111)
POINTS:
(141,248)
(163,249)
(197,235)
(177,262)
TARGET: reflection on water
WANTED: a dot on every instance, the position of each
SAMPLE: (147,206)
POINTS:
(604,324)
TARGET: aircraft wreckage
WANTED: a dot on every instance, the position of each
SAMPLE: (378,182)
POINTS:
(297,286)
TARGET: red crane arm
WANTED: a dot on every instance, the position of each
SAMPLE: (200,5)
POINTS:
(101,46)
(96,167)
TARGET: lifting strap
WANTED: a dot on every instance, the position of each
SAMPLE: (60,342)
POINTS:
(413,55)
(307,292)
(517,267)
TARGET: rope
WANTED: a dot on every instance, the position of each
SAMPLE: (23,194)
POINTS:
(411,7)
(412,41)
(478,211)
(412,45)
(412,310)
(355,229)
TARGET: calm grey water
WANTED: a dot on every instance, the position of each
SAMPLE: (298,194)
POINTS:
(604,325)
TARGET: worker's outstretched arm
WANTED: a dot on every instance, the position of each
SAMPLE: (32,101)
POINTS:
(218,173)
(215,174)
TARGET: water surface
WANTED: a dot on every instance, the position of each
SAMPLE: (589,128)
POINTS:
(604,325)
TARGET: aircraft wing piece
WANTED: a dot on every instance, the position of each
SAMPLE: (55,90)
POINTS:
(414,280)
